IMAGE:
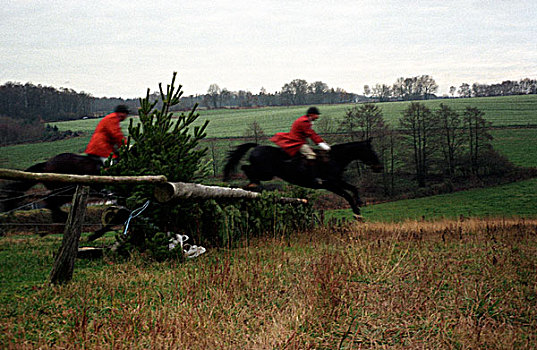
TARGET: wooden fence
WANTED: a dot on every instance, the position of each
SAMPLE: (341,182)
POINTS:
(62,270)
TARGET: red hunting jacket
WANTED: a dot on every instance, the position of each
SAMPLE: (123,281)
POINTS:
(106,137)
(300,131)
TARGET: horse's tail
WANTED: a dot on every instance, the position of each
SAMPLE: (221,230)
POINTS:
(234,158)
(37,168)
(13,191)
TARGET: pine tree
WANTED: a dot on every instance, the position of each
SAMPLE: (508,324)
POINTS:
(158,145)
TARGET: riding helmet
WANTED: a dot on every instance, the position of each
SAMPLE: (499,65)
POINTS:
(313,110)
(122,109)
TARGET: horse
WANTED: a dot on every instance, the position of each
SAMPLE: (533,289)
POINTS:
(266,162)
(64,163)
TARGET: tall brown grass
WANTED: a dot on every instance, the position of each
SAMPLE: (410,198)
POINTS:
(449,284)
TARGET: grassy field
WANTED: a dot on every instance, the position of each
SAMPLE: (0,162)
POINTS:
(506,201)
(23,156)
(516,144)
(443,285)
(501,111)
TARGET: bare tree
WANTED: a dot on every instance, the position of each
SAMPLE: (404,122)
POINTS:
(382,92)
(464,90)
(452,90)
(367,90)
(478,136)
(450,136)
(254,131)
(295,91)
(427,86)
(214,94)
(418,127)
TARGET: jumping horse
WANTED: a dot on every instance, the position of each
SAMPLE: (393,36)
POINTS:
(267,162)
(64,163)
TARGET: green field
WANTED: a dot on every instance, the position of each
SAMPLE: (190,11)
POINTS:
(517,199)
(23,156)
(516,144)
(501,111)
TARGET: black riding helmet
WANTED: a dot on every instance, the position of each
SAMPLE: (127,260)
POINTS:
(122,109)
(313,110)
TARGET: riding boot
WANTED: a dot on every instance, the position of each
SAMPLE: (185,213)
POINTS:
(313,171)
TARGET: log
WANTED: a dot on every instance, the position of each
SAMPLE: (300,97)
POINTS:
(64,265)
(170,190)
(90,253)
(11,174)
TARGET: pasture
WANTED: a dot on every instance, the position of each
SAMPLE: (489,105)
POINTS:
(502,111)
(509,111)
(448,284)
(512,200)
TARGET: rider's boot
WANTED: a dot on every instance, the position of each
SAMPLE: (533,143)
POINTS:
(314,173)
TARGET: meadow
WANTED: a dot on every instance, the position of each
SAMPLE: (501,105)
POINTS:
(449,284)
(501,111)
(513,200)
(508,111)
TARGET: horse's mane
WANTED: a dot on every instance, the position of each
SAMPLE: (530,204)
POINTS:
(352,144)
(344,153)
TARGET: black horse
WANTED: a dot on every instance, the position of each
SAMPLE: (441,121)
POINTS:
(267,162)
(64,163)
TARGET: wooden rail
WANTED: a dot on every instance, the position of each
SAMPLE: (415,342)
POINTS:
(11,174)
(174,190)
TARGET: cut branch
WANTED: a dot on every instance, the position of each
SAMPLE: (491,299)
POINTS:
(171,190)
(11,174)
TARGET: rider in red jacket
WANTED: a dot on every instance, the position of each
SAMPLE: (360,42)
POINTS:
(108,136)
(295,140)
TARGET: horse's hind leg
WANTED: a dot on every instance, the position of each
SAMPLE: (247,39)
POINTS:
(251,175)
(13,192)
(54,205)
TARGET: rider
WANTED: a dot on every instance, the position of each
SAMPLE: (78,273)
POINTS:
(295,141)
(108,136)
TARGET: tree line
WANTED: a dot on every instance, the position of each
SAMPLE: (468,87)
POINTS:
(296,92)
(424,87)
(25,108)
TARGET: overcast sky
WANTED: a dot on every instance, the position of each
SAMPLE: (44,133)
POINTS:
(121,48)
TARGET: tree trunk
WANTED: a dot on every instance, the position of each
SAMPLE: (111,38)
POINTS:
(62,271)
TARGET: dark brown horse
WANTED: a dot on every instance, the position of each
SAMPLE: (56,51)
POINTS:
(267,162)
(60,193)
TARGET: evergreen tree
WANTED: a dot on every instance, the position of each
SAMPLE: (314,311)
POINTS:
(158,145)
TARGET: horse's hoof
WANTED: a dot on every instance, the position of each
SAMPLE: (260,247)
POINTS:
(358,217)
(251,187)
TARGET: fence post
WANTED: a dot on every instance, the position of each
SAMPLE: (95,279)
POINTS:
(62,271)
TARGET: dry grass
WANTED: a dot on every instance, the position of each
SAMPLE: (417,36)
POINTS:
(450,284)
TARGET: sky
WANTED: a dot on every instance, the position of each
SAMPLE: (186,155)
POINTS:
(121,48)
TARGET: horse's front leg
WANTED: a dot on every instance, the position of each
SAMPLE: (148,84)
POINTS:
(354,191)
(340,190)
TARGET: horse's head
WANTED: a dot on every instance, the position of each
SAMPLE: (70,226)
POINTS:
(363,151)
(370,157)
